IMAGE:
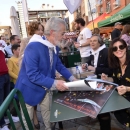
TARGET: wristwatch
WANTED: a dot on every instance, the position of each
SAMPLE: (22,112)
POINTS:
(80,45)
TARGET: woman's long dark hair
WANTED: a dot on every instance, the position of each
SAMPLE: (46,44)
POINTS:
(113,60)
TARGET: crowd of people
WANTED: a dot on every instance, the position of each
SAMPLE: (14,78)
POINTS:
(30,65)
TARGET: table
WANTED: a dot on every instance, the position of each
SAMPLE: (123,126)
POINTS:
(84,73)
(115,102)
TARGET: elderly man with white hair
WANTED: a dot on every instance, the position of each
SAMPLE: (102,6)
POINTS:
(98,61)
(37,74)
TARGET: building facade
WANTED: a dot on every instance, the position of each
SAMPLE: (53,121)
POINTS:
(42,15)
(110,6)
(22,25)
(81,12)
(92,10)
(127,2)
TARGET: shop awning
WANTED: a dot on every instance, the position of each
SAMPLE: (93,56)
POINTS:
(122,16)
(95,21)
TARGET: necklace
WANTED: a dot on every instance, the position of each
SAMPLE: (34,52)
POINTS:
(123,67)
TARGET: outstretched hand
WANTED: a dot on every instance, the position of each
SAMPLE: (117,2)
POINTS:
(61,86)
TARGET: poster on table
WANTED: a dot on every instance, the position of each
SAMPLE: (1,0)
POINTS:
(89,100)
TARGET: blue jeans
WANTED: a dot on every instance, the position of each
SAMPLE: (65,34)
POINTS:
(4,91)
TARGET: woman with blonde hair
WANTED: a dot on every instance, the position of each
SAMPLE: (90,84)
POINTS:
(33,28)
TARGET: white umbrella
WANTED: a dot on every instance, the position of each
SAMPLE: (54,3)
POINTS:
(14,21)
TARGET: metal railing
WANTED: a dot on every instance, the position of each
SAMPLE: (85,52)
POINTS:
(5,108)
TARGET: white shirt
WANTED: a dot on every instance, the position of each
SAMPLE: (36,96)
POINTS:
(82,38)
(96,54)
(8,50)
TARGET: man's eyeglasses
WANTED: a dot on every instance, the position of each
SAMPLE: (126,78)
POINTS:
(121,47)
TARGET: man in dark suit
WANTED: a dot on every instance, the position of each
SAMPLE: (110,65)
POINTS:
(117,31)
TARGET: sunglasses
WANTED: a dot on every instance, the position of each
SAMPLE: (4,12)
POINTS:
(121,47)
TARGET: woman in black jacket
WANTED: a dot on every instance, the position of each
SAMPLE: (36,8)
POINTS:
(99,57)
(119,61)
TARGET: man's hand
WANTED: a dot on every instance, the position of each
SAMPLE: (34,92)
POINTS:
(91,68)
(75,79)
(121,90)
(84,66)
(76,44)
(60,85)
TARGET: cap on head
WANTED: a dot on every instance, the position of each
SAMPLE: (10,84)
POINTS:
(118,23)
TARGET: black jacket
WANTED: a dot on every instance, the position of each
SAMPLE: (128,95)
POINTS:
(102,65)
(115,33)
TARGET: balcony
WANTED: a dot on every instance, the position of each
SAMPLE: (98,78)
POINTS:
(116,4)
(100,13)
(99,2)
(45,15)
(108,10)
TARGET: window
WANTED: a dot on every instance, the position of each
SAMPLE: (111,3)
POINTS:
(108,7)
(101,11)
(99,2)
(116,3)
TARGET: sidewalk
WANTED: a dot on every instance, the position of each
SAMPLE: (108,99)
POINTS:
(85,123)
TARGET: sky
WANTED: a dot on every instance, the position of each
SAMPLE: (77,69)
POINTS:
(32,4)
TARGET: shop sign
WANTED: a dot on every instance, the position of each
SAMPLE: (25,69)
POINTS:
(116,18)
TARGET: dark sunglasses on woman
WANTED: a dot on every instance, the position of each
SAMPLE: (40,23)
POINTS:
(121,47)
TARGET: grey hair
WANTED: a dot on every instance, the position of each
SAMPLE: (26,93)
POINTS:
(100,40)
(53,24)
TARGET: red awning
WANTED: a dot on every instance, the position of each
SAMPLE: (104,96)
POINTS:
(98,19)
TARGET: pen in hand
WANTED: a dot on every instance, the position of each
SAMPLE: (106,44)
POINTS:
(103,76)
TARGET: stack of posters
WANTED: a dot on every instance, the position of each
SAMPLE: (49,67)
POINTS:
(87,96)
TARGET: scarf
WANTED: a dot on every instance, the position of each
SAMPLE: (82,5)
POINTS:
(38,38)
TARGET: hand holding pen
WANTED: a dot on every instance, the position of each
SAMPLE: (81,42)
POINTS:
(84,66)
(104,76)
